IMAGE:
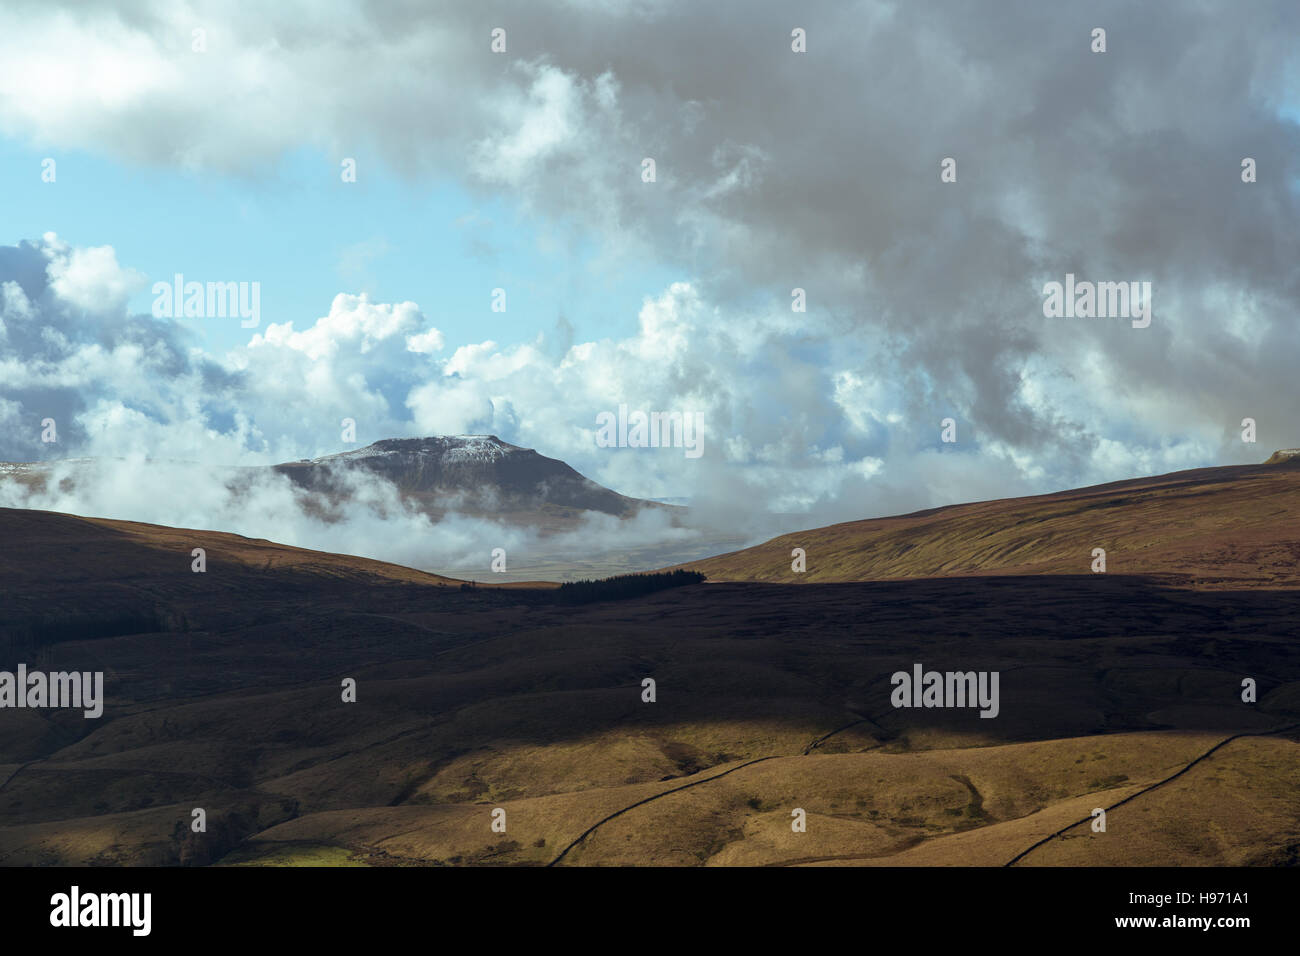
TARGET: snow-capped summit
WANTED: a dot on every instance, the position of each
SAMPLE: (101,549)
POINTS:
(481,471)
(446,447)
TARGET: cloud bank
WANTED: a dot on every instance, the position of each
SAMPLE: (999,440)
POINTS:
(775,171)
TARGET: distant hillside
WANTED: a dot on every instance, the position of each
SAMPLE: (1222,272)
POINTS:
(479,477)
(473,472)
(1212,526)
(476,475)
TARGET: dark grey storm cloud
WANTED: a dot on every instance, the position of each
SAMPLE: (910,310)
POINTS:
(820,170)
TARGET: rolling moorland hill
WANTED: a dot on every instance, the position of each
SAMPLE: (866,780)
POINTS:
(1120,691)
(1211,527)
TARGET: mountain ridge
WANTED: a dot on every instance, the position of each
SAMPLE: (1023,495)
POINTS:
(480,475)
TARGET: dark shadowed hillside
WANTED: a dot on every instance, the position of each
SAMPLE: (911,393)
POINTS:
(222,691)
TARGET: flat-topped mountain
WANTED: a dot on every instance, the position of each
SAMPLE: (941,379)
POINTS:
(475,472)
(470,474)
(446,478)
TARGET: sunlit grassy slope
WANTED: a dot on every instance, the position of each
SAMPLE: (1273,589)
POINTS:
(1212,527)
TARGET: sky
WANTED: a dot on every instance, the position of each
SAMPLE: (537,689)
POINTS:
(219,155)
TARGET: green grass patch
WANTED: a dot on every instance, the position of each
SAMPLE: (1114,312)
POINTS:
(291,854)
